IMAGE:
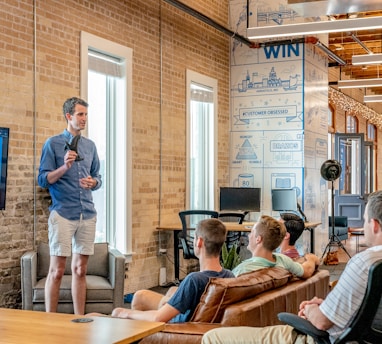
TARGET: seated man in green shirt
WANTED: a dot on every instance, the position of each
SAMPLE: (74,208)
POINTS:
(266,235)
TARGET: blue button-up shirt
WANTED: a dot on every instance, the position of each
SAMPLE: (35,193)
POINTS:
(68,198)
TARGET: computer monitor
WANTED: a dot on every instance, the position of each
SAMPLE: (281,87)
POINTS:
(284,200)
(240,199)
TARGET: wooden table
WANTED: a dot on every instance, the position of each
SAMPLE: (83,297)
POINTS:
(20,326)
(235,227)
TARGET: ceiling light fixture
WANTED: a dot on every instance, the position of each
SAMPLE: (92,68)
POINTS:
(372,99)
(367,59)
(359,83)
(314,28)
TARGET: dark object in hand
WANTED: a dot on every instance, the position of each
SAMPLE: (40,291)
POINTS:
(73,146)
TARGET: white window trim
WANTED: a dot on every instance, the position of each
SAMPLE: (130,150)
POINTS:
(91,41)
(201,79)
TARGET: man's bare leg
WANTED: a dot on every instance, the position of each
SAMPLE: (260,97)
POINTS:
(167,297)
(53,282)
(145,300)
(79,267)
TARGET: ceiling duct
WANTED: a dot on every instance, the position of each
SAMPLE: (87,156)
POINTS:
(244,40)
(209,21)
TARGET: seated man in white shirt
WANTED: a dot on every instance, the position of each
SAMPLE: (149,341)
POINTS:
(337,310)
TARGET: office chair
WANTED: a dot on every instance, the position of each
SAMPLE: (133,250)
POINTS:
(361,328)
(189,220)
(233,237)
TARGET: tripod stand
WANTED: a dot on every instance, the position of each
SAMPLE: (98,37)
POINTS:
(333,239)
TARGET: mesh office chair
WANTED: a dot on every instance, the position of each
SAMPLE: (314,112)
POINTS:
(361,328)
(232,237)
(189,220)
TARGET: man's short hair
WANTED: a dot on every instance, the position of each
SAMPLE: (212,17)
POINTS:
(271,230)
(70,104)
(294,225)
(374,206)
(213,232)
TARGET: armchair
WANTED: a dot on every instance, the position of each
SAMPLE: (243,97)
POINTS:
(104,280)
(340,227)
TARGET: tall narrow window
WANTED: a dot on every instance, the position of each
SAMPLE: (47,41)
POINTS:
(201,141)
(351,124)
(331,131)
(105,83)
(371,158)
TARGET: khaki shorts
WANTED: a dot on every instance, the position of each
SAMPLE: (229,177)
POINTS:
(66,236)
(278,334)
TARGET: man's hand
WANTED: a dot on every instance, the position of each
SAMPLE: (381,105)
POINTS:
(314,301)
(120,313)
(310,310)
(88,182)
(313,257)
(310,265)
(69,159)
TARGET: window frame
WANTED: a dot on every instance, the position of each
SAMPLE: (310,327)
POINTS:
(352,125)
(123,235)
(201,79)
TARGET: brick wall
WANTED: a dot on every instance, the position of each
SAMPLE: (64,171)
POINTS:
(186,44)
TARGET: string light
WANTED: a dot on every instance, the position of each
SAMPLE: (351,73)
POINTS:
(346,103)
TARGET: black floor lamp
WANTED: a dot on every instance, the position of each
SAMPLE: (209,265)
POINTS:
(331,171)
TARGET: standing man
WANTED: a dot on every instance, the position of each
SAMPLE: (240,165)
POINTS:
(69,168)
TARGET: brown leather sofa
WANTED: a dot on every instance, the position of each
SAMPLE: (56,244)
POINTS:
(252,299)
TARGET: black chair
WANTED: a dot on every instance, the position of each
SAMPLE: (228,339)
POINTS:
(233,237)
(361,328)
(189,220)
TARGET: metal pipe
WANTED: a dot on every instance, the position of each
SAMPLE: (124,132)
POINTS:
(357,40)
(209,21)
(34,123)
(331,55)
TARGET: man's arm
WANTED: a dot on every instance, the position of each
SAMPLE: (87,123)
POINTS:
(94,171)
(164,314)
(310,265)
(313,313)
(56,174)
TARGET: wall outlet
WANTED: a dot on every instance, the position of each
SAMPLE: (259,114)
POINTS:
(162,251)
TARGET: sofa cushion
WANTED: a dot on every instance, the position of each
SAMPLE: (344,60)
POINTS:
(98,289)
(221,292)
(98,263)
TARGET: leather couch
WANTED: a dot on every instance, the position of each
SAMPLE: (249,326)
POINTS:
(104,280)
(252,299)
